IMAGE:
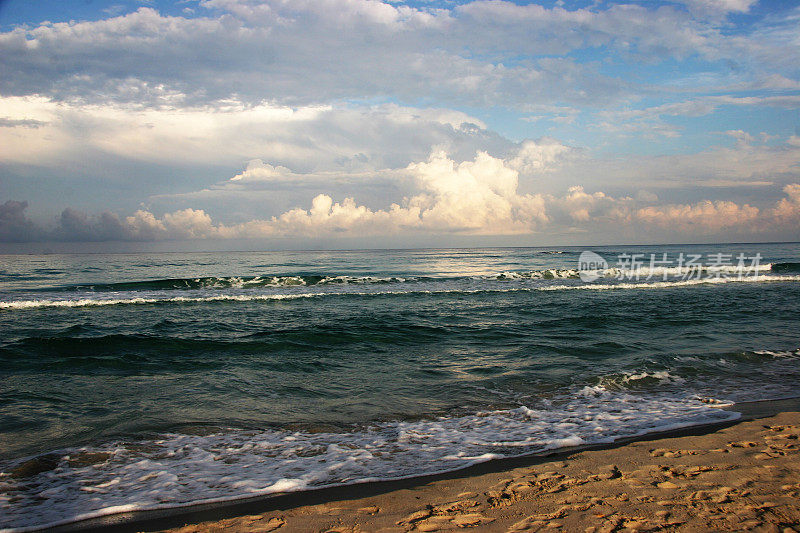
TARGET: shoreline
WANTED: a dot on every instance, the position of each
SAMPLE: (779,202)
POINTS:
(161,519)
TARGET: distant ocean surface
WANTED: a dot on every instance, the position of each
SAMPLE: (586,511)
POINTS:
(158,380)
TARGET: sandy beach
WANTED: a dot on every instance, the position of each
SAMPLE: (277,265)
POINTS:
(742,477)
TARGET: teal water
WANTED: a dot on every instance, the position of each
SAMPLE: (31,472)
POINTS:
(149,380)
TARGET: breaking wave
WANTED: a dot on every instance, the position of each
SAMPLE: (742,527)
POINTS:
(785,267)
(229,282)
(314,279)
(177,470)
(155,300)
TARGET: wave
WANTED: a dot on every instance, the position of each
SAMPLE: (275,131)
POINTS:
(648,273)
(782,354)
(172,470)
(669,284)
(92,302)
(314,279)
(636,380)
(785,267)
(75,350)
(227,282)
(175,470)
(221,298)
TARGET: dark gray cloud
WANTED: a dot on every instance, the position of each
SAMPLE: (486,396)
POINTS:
(15,226)
(76,226)
(70,226)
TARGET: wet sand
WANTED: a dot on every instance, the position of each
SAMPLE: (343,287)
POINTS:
(742,477)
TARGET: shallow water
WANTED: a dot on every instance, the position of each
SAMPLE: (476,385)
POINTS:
(151,380)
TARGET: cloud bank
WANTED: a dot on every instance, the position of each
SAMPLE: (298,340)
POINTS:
(477,197)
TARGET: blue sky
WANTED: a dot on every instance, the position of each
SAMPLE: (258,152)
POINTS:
(360,122)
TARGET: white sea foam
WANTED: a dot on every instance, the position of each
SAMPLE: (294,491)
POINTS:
(669,284)
(632,379)
(324,280)
(643,273)
(176,469)
(780,354)
(141,300)
(90,302)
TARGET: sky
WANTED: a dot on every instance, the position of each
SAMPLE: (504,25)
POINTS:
(242,124)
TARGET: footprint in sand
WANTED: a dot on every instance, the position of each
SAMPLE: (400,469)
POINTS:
(455,507)
(271,525)
(538,521)
(450,515)
(788,427)
(530,523)
(662,452)
(499,498)
(720,495)
(769,454)
(743,444)
(686,472)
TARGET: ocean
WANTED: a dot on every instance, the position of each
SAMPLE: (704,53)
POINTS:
(145,381)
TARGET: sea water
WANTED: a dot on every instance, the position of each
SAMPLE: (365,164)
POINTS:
(144,381)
